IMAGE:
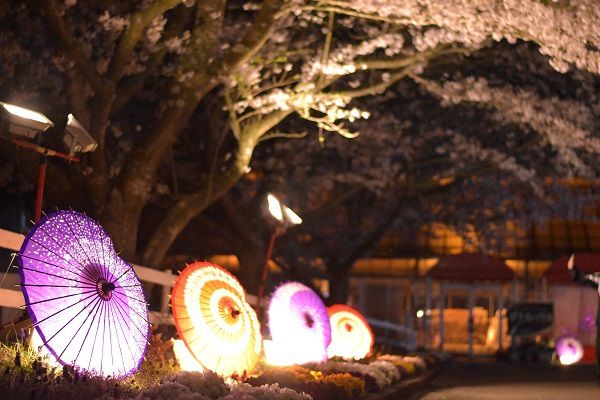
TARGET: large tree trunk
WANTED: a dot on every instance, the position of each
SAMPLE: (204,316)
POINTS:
(129,195)
(252,260)
(339,283)
(121,219)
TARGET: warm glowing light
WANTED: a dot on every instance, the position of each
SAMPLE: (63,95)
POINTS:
(299,325)
(37,344)
(274,207)
(212,317)
(27,114)
(351,335)
(282,354)
(292,216)
(86,303)
(420,313)
(569,350)
(186,360)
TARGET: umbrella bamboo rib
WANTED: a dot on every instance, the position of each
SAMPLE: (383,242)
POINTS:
(72,257)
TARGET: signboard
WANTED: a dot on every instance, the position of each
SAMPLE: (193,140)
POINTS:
(529,318)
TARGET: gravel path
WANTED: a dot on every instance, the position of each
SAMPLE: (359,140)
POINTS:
(506,381)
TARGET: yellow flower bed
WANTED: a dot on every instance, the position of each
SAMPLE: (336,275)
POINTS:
(408,367)
(352,385)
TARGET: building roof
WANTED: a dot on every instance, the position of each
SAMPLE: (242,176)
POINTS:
(587,262)
(469,267)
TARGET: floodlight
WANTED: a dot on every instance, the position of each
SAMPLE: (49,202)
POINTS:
(281,212)
(275,207)
(23,122)
(77,138)
(292,217)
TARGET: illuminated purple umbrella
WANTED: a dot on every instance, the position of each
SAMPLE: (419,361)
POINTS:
(85,302)
(299,325)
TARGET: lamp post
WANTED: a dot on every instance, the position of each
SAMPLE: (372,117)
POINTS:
(22,122)
(45,152)
(286,218)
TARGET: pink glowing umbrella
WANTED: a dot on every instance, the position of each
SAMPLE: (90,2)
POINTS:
(299,323)
(569,350)
(85,302)
(351,335)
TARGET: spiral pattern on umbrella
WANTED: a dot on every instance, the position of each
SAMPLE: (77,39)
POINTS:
(298,318)
(214,320)
(351,335)
(86,303)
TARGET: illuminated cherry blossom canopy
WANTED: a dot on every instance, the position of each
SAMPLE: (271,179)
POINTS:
(86,303)
(351,335)
(299,324)
(212,317)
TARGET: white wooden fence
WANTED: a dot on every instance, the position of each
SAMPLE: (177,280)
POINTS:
(11,298)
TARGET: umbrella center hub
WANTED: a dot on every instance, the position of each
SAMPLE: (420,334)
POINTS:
(229,308)
(348,327)
(105,288)
(308,319)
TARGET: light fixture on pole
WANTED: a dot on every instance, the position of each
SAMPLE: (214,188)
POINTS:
(286,218)
(21,122)
(77,139)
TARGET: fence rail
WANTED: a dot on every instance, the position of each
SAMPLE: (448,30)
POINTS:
(395,334)
(11,298)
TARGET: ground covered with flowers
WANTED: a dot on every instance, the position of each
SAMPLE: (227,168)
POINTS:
(25,375)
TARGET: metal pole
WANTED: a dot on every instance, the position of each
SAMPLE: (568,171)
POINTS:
(470,322)
(265,271)
(427,311)
(39,197)
(45,152)
(500,308)
(441,306)
(515,290)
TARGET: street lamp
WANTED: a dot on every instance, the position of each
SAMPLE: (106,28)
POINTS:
(77,139)
(22,122)
(286,218)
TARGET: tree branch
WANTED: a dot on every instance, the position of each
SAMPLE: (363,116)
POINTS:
(283,135)
(376,88)
(63,32)
(405,64)
(127,88)
(256,36)
(189,206)
(234,122)
(405,61)
(132,35)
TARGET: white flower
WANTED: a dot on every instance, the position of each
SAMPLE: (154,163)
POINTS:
(206,383)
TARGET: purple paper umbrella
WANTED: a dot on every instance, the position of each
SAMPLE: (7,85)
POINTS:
(85,302)
(299,324)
